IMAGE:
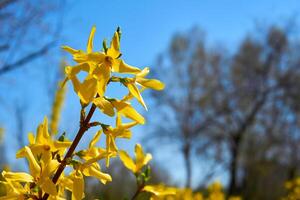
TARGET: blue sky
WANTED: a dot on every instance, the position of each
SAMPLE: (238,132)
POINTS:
(147,28)
(148,25)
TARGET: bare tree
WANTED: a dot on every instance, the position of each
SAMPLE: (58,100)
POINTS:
(218,103)
(29,29)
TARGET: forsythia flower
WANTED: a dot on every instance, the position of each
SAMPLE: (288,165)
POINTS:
(43,145)
(159,190)
(56,108)
(181,194)
(1,134)
(120,131)
(98,65)
(216,193)
(293,189)
(139,79)
(141,159)
(39,176)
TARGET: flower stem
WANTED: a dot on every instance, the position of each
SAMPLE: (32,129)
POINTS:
(83,128)
(138,191)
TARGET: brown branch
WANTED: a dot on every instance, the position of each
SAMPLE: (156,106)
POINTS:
(4,47)
(138,191)
(28,58)
(5,3)
(83,128)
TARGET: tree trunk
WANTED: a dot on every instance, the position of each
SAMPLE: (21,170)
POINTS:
(232,189)
(188,166)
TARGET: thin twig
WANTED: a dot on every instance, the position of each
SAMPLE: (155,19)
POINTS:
(83,128)
(26,59)
(138,191)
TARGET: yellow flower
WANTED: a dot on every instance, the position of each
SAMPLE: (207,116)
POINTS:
(14,190)
(91,156)
(98,65)
(93,169)
(215,191)
(1,134)
(38,175)
(93,153)
(139,79)
(125,109)
(120,131)
(104,105)
(159,190)
(56,108)
(43,145)
(141,159)
(77,186)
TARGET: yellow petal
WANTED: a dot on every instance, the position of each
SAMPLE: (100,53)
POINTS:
(139,153)
(147,158)
(128,111)
(102,74)
(159,190)
(105,106)
(34,167)
(88,90)
(120,66)
(93,157)
(13,197)
(95,139)
(94,170)
(90,41)
(129,125)
(150,83)
(40,136)
(95,57)
(66,183)
(17,176)
(73,71)
(61,145)
(78,186)
(127,161)
(49,169)
(118,120)
(141,158)
(108,142)
(48,186)
(114,49)
(123,130)
(133,89)
(31,138)
(70,50)
(21,153)
(46,135)
(144,72)
(113,147)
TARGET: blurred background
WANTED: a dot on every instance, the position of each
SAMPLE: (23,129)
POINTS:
(230,110)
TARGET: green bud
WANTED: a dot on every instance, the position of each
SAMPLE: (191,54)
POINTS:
(104,126)
(62,137)
(119,31)
(147,173)
(104,46)
(74,163)
(80,154)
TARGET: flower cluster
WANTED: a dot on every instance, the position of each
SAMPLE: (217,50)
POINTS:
(48,156)
(293,189)
(214,192)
